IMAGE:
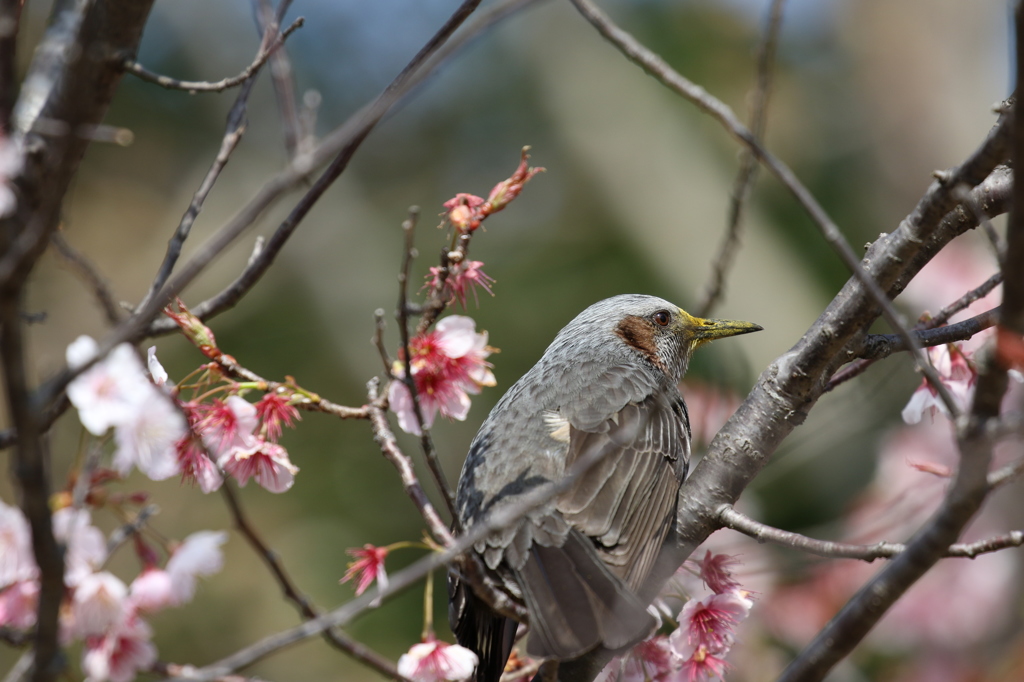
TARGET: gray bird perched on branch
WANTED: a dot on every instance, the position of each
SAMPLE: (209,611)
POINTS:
(606,387)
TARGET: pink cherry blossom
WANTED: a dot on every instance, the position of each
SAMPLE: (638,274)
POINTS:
(229,425)
(196,467)
(716,573)
(956,373)
(151,590)
(434,661)
(111,391)
(268,464)
(18,604)
(17,563)
(699,664)
(447,364)
(85,546)
(368,566)
(121,653)
(148,438)
(463,278)
(274,410)
(652,660)
(199,555)
(710,622)
(99,604)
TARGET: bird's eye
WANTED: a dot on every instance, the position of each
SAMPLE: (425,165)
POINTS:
(661,318)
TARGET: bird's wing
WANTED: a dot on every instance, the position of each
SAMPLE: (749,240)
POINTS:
(626,502)
(581,592)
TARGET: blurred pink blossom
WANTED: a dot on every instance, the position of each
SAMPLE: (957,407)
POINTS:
(18,604)
(710,622)
(119,654)
(447,364)
(148,438)
(10,165)
(268,464)
(17,563)
(198,555)
(652,660)
(111,391)
(716,571)
(956,372)
(955,270)
(435,661)
(151,590)
(85,547)
(99,604)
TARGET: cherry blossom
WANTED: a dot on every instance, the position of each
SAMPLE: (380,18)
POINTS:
(710,622)
(99,604)
(274,410)
(434,661)
(151,590)
(121,653)
(467,211)
(17,562)
(111,391)
(955,372)
(148,439)
(229,425)
(368,566)
(156,370)
(199,555)
(268,464)
(447,364)
(715,570)
(462,278)
(196,467)
(699,664)
(85,547)
(652,660)
(18,604)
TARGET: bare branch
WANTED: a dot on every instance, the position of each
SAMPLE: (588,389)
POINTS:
(739,522)
(334,637)
(878,346)
(747,175)
(281,75)
(133,67)
(347,139)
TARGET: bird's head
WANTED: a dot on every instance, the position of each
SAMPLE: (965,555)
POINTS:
(665,335)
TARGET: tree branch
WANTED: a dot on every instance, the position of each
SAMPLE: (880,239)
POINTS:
(89,275)
(878,346)
(747,175)
(739,522)
(133,67)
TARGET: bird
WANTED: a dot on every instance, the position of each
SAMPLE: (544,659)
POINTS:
(606,387)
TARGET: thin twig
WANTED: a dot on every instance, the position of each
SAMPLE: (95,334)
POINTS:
(281,75)
(385,438)
(136,69)
(124,532)
(657,67)
(739,522)
(234,130)
(378,340)
(346,139)
(747,175)
(89,275)
(402,313)
(334,637)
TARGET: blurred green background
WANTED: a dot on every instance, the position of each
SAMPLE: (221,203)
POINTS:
(870,98)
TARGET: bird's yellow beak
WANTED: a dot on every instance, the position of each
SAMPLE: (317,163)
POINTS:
(701,330)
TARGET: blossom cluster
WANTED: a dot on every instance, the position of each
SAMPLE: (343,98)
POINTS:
(448,364)
(705,631)
(99,609)
(162,434)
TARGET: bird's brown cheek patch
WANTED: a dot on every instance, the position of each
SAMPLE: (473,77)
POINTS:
(639,333)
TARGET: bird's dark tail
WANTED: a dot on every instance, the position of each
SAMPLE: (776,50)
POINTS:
(487,634)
